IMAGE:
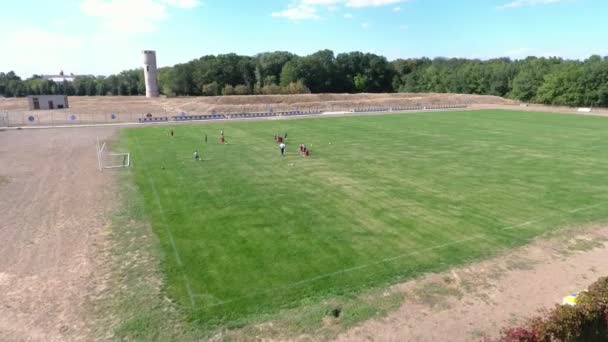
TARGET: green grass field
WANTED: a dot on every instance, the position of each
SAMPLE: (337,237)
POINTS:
(246,232)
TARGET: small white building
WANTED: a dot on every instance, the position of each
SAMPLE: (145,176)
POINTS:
(60,78)
(36,102)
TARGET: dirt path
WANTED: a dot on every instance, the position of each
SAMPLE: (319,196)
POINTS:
(540,108)
(475,302)
(53,201)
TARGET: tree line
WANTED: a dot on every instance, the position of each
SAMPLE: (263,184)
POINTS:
(542,80)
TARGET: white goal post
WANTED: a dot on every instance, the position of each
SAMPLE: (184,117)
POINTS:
(107,160)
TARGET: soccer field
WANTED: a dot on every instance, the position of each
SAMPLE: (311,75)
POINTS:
(247,232)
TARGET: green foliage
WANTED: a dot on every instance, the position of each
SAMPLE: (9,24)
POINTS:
(241,90)
(289,73)
(363,72)
(271,89)
(360,82)
(383,198)
(296,88)
(587,321)
(543,80)
(269,66)
(211,89)
(228,90)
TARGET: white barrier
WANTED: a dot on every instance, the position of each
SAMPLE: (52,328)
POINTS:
(584,110)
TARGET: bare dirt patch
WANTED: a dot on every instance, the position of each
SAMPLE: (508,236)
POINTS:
(539,108)
(475,302)
(53,203)
(251,103)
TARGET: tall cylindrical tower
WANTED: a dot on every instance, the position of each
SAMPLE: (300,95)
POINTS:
(150,73)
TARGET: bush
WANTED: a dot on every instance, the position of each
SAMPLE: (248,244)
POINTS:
(296,88)
(587,321)
(519,335)
(271,90)
(241,90)
(211,89)
(228,90)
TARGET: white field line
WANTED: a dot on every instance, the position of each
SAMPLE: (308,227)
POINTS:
(167,230)
(440,246)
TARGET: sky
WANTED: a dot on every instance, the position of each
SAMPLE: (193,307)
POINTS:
(101,37)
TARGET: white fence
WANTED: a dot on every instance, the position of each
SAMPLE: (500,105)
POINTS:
(71,117)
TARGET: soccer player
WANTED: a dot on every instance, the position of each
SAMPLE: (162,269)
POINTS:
(282,147)
(222,132)
(171,132)
(205,138)
(196,156)
(222,139)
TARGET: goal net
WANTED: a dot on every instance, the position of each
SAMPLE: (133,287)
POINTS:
(107,160)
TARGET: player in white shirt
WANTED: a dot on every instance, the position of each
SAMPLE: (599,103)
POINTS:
(282,147)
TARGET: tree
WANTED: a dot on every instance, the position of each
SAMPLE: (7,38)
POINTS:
(360,82)
(318,71)
(289,73)
(270,64)
(544,80)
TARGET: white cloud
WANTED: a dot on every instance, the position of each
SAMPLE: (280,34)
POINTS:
(371,3)
(366,25)
(309,9)
(348,16)
(352,3)
(298,12)
(26,46)
(133,16)
(183,3)
(521,3)
(397,9)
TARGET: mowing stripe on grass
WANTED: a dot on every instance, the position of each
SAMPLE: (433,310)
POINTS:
(377,187)
(166,226)
(440,246)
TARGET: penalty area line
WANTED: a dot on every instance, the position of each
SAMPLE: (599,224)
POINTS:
(440,246)
(166,226)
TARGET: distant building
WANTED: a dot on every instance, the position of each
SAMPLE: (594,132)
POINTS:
(36,102)
(60,78)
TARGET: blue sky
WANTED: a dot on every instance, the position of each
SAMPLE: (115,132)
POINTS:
(107,36)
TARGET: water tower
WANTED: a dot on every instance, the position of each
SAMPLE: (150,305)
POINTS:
(150,73)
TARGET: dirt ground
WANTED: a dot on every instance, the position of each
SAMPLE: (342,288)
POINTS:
(229,104)
(53,202)
(540,108)
(476,302)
